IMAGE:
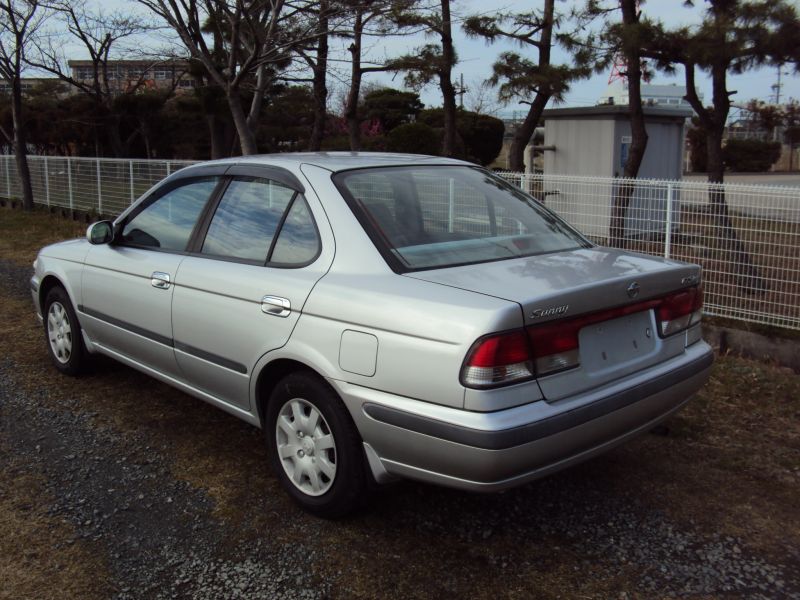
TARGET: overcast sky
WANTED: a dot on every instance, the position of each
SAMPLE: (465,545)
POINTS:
(476,58)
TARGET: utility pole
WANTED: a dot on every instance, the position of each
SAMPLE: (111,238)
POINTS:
(776,87)
(460,91)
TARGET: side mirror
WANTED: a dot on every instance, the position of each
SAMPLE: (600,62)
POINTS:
(101,232)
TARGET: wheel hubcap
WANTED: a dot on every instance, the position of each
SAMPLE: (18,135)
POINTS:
(59,332)
(306,447)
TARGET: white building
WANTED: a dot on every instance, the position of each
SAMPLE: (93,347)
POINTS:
(665,96)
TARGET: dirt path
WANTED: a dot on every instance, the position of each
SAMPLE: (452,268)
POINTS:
(147,493)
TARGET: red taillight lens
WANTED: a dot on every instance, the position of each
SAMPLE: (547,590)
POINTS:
(543,349)
(498,359)
(681,310)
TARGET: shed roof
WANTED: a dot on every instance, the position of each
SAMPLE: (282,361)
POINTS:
(615,111)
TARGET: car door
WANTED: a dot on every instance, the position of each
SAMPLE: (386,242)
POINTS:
(128,285)
(243,287)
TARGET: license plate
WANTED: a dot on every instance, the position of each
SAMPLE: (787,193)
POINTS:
(617,343)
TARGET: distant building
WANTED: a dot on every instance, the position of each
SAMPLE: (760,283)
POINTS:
(595,141)
(125,75)
(664,96)
(27,83)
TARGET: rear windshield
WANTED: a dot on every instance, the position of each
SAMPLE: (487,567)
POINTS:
(430,217)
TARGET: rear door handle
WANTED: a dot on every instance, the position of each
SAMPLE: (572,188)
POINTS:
(278,307)
(160,280)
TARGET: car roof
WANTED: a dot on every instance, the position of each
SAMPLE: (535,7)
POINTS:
(341,161)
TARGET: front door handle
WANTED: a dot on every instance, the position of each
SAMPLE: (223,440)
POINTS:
(160,280)
(278,307)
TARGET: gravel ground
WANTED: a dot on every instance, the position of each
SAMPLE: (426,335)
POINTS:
(157,532)
(161,538)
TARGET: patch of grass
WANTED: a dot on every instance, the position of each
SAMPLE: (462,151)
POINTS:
(23,234)
(40,556)
(732,459)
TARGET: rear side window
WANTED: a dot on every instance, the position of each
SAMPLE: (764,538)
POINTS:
(246,219)
(167,222)
(298,241)
(441,216)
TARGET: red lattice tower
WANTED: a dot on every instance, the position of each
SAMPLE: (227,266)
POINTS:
(620,68)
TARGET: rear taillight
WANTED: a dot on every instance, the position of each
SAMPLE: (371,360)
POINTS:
(497,360)
(538,350)
(555,345)
(680,311)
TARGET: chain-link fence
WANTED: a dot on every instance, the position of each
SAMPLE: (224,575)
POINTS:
(746,237)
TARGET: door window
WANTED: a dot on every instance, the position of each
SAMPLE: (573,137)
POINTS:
(247,219)
(167,223)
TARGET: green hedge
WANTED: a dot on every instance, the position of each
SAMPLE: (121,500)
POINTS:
(750,155)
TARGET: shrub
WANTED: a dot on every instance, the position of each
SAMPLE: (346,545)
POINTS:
(481,135)
(414,138)
(750,155)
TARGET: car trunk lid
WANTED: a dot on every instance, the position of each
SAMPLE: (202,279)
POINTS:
(563,285)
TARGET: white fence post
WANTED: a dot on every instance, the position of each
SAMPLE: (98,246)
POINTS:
(69,182)
(130,170)
(99,191)
(451,205)
(46,182)
(668,236)
(169,169)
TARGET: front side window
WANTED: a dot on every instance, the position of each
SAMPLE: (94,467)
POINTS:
(167,223)
(246,220)
(428,217)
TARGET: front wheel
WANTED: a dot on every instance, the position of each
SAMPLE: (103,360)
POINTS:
(63,333)
(314,447)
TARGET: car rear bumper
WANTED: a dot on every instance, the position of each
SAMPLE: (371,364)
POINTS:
(497,450)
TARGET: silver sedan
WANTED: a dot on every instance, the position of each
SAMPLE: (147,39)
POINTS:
(380,316)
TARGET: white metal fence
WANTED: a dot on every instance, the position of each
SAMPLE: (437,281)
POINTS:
(750,251)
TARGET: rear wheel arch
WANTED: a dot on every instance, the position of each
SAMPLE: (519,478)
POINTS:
(271,375)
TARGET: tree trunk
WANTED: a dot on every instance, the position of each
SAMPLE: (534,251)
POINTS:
(247,139)
(619,209)
(524,133)
(351,104)
(446,84)
(730,248)
(319,88)
(114,137)
(216,134)
(20,150)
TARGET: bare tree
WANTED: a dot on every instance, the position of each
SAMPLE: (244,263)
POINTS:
(256,38)
(19,21)
(99,34)
(480,98)
(317,60)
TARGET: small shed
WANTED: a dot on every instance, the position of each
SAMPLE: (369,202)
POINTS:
(594,142)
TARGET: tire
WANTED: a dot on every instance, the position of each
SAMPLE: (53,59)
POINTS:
(314,447)
(62,333)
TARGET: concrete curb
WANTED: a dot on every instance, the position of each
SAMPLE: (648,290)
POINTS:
(779,351)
